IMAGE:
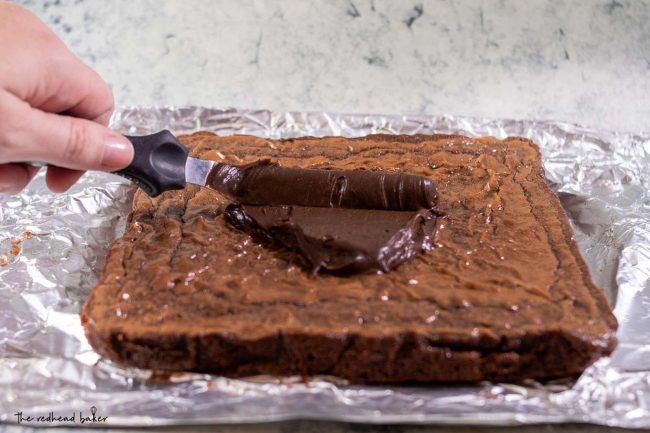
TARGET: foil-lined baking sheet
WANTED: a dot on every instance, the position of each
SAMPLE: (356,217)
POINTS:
(53,246)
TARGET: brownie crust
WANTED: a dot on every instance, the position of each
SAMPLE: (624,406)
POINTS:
(503,295)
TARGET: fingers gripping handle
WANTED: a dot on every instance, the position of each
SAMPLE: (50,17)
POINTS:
(158,163)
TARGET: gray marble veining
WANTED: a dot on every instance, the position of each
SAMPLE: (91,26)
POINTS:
(585,61)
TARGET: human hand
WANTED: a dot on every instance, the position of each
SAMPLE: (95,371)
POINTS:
(53,108)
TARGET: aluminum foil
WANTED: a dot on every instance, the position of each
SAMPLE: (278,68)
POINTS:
(52,248)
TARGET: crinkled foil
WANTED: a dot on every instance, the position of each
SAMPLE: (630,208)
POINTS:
(46,364)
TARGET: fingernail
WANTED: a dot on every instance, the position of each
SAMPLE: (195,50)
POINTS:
(118,152)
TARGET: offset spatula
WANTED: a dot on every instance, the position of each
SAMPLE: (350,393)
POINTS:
(160,163)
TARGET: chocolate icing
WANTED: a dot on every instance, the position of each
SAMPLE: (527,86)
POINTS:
(341,240)
(345,221)
(266,183)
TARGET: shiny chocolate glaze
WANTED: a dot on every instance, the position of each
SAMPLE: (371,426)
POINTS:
(266,183)
(344,221)
(345,241)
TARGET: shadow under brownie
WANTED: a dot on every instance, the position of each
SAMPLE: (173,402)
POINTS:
(504,295)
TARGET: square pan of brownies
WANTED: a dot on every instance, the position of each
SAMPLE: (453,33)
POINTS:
(504,295)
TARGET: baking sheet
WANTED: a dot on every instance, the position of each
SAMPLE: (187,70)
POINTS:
(53,246)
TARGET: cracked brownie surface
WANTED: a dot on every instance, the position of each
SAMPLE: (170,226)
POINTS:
(503,295)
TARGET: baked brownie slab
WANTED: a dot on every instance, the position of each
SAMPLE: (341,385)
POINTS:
(504,295)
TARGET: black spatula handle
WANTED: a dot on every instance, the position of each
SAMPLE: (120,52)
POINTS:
(158,163)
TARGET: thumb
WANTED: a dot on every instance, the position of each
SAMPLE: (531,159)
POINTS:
(65,141)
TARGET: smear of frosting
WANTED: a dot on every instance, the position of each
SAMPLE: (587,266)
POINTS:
(266,183)
(342,221)
(343,241)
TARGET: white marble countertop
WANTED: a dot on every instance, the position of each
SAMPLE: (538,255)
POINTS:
(580,61)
